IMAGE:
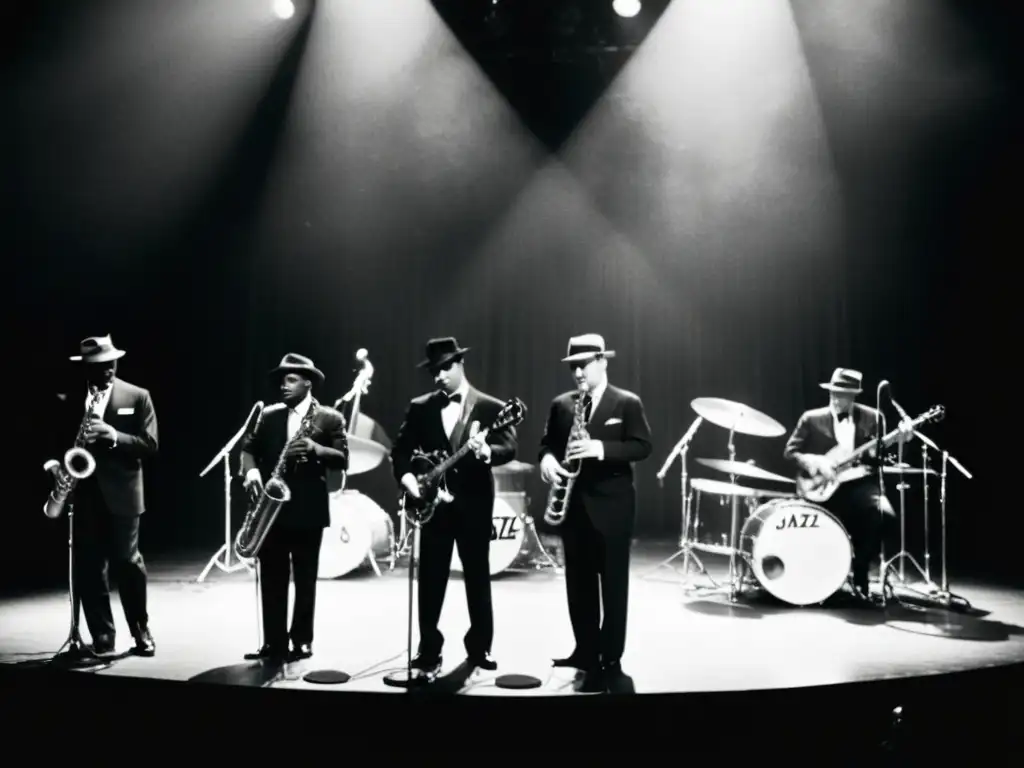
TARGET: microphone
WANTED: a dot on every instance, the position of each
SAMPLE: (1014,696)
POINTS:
(899,408)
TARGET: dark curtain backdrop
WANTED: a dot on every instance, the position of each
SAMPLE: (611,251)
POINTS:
(216,204)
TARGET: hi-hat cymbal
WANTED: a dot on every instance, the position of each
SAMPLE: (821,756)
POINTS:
(737,416)
(728,489)
(907,471)
(743,469)
(513,468)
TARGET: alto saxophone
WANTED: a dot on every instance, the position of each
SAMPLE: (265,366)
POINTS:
(263,512)
(561,488)
(78,464)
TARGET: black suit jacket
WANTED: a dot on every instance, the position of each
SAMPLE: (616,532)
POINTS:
(422,428)
(119,466)
(605,488)
(309,506)
(813,433)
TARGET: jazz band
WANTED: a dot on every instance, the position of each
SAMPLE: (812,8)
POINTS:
(449,443)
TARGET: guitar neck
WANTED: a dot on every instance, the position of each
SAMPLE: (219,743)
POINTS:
(448,463)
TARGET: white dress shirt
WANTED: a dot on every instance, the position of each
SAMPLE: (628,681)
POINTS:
(844,431)
(450,413)
(101,406)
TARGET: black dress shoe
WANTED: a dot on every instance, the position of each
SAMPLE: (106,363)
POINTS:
(594,681)
(575,661)
(267,653)
(103,646)
(302,651)
(144,643)
(483,661)
(611,667)
(428,664)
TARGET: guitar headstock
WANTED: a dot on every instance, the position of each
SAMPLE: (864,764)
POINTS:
(935,413)
(511,414)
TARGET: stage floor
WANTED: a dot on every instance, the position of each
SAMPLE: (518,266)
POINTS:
(676,643)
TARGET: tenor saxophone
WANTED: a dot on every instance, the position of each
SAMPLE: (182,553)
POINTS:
(78,464)
(262,513)
(561,488)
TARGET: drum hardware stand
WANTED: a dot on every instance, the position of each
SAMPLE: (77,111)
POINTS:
(681,449)
(77,653)
(226,548)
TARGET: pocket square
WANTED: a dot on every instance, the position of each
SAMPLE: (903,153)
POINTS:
(125,411)
(612,420)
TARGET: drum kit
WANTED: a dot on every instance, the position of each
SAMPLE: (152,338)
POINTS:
(795,550)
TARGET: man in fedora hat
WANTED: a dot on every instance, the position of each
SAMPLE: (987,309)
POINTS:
(598,526)
(866,514)
(293,544)
(445,419)
(108,505)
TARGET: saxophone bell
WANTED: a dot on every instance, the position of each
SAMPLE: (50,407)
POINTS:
(79,463)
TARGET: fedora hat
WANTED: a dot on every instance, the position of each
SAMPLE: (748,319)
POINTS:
(292,363)
(441,351)
(585,347)
(97,349)
(845,380)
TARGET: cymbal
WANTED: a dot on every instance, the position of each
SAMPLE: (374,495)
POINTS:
(743,469)
(364,455)
(728,489)
(908,471)
(737,416)
(513,468)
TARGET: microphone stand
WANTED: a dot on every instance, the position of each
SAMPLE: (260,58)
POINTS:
(226,548)
(78,654)
(409,678)
(880,430)
(942,593)
(682,448)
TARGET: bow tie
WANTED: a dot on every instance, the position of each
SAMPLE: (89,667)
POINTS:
(841,417)
(456,398)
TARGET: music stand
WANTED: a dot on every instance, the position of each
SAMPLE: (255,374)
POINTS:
(226,548)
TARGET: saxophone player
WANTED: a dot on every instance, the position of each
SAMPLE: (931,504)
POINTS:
(293,543)
(119,432)
(597,525)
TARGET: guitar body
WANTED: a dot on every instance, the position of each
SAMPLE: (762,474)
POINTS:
(818,489)
(423,466)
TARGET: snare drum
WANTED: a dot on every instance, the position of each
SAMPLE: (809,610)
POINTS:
(359,529)
(507,532)
(799,552)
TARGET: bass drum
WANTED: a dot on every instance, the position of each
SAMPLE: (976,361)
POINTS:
(798,551)
(359,529)
(507,535)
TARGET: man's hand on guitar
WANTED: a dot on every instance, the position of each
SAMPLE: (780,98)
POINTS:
(906,432)
(411,485)
(550,469)
(821,467)
(477,443)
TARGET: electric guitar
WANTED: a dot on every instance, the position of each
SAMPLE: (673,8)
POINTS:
(816,488)
(430,468)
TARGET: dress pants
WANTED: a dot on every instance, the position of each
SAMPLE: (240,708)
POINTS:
(596,578)
(103,542)
(289,552)
(868,518)
(468,526)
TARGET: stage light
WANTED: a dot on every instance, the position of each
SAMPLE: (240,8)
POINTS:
(627,8)
(285,9)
